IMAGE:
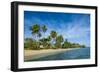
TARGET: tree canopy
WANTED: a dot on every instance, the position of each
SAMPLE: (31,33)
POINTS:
(45,42)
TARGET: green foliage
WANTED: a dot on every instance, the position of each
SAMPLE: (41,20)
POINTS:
(37,30)
(49,38)
(58,45)
(44,28)
(83,46)
(53,34)
(66,45)
(72,45)
(45,42)
(30,44)
(59,40)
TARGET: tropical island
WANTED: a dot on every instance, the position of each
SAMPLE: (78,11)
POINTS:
(53,41)
(36,46)
(56,36)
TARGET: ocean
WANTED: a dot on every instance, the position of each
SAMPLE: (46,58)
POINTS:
(82,53)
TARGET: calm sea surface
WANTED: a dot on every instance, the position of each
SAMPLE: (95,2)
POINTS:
(82,53)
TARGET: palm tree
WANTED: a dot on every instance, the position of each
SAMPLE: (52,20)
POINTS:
(44,29)
(39,35)
(53,35)
(39,43)
(35,30)
(48,42)
(49,38)
(59,40)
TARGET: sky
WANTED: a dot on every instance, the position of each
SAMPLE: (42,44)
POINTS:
(75,27)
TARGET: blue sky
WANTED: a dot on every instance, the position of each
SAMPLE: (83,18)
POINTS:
(73,26)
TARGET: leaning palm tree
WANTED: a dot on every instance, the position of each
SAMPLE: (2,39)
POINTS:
(53,35)
(44,29)
(35,30)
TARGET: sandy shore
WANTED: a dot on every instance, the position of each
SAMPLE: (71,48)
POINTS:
(34,54)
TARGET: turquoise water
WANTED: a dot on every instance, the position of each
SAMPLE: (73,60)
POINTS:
(82,53)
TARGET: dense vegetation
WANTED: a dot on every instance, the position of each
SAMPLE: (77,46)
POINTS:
(53,41)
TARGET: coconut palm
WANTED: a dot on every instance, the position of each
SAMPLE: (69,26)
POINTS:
(49,38)
(39,35)
(48,41)
(59,40)
(35,30)
(44,29)
(53,35)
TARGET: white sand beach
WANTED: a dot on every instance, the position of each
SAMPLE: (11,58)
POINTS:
(34,54)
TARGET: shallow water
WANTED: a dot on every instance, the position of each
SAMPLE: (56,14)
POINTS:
(82,53)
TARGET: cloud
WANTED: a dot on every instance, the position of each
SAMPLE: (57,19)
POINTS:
(76,32)
(75,27)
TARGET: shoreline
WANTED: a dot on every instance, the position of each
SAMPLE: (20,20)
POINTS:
(34,54)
